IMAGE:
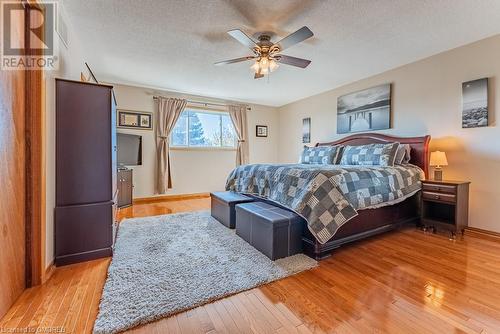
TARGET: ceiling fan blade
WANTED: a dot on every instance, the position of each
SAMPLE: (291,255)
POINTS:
(258,76)
(294,61)
(300,35)
(243,38)
(236,60)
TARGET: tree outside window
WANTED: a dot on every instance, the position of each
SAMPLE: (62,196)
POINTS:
(203,129)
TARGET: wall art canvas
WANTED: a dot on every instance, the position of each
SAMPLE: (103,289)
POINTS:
(261,130)
(475,103)
(135,119)
(306,130)
(366,110)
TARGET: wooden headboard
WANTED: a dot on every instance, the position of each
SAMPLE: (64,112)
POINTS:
(419,146)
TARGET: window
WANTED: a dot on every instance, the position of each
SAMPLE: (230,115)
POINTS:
(203,129)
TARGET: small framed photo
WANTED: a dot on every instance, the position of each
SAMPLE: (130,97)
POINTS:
(261,130)
(145,121)
(131,119)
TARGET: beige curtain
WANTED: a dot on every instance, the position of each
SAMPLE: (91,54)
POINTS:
(238,116)
(168,112)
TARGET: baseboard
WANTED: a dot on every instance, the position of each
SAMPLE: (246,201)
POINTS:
(48,272)
(84,256)
(163,198)
(483,234)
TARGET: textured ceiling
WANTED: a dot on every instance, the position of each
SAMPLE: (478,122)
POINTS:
(172,44)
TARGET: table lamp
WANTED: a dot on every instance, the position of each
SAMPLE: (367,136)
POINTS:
(438,159)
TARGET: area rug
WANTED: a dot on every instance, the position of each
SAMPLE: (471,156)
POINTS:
(166,264)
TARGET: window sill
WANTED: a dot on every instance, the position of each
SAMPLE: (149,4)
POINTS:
(180,148)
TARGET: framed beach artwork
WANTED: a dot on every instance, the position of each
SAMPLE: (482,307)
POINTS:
(366,110)
(475,103)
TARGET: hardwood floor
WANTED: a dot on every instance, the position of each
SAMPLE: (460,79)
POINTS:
(400,282)
(164,207)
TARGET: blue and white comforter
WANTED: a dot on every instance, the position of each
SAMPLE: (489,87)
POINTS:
(327,196)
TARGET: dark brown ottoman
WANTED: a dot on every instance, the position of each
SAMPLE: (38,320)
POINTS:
(223,203)
(274,231)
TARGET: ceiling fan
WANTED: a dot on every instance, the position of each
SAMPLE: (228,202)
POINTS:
(267,54)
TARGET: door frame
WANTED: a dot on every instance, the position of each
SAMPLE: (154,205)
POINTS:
(35,163)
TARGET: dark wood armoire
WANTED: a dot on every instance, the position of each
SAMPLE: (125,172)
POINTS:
(85,171)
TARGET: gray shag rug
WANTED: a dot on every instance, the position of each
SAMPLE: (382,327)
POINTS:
(167,264)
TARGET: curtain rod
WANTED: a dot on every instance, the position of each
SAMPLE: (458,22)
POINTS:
(206,104)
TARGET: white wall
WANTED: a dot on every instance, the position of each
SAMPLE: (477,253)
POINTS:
(71,63)
(426,100)
(194,171)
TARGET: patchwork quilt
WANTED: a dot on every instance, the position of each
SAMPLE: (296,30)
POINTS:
(327,196)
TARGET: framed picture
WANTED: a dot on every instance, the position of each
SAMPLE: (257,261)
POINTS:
(261,130)
(366,110)
(475,103)
(306,130)
(131,119)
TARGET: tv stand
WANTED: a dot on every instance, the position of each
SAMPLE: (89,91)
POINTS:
(125,187)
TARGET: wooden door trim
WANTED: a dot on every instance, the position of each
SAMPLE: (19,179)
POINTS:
(35,165)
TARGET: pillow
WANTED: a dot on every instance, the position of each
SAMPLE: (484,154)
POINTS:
(321,155)
(402,154)
(370,155)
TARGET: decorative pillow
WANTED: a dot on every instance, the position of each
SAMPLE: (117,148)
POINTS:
(370,155)
(321,155)
(402,154)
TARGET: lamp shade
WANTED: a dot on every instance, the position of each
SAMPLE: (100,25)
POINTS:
(438,159)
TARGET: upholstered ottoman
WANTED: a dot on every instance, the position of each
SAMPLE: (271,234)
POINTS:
(223,203)
(274,231)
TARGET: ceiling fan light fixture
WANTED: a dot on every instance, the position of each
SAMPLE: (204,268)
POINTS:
(267,54)
(273,65)
(255,67)
(264,63)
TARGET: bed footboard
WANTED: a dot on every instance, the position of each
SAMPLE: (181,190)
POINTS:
(368,223)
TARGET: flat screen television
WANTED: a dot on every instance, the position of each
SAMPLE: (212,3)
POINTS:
(129,149)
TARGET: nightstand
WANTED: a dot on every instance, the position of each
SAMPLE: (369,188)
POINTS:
(445,205)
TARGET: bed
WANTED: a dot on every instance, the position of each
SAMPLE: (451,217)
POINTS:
(341,203)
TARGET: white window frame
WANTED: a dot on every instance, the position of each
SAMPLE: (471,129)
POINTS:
(204,148)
